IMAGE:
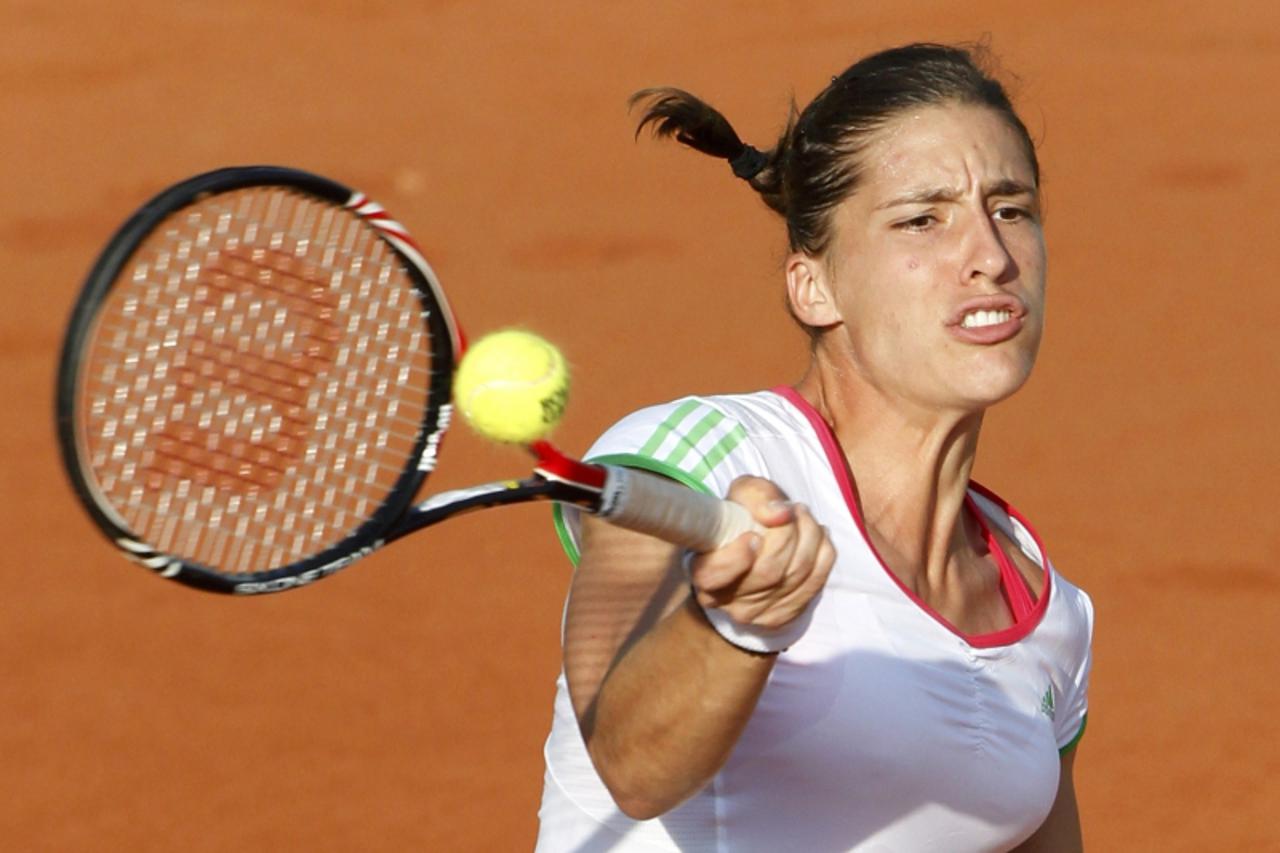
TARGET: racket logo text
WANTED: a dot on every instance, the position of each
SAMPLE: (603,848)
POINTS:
(307,577)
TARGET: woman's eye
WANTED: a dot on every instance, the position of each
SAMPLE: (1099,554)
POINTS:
(1011,214)
(918,223)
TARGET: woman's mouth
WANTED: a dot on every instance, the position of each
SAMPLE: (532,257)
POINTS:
(987,320)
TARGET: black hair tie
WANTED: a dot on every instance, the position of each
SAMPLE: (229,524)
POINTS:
(748,162)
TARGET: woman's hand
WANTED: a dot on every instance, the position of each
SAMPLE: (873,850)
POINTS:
(765,579)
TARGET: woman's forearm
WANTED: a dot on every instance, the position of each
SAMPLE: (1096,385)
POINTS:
(670,711)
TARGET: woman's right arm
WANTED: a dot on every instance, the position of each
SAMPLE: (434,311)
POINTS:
(661,698)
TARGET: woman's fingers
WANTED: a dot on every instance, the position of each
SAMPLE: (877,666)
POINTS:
(720,572)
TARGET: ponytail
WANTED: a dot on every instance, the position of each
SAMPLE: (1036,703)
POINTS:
(692,122)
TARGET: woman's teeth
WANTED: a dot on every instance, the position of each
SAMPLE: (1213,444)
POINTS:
(977,319)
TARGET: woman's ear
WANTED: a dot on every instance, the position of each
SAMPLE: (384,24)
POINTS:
(809,291)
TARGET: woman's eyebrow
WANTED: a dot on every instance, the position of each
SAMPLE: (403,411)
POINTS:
(933,195)
(1009,186)
(927,195)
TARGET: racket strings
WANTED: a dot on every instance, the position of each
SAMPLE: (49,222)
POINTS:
(364,392)
(257,382)
(195,443)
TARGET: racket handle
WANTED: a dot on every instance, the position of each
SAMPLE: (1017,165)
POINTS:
(669,511)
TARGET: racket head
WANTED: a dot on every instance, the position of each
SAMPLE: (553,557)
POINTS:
(255,380)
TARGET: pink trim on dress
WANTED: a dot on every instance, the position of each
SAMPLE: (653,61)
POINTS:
(1026,613)
(1013,586)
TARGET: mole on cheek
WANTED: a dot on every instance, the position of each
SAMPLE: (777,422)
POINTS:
(913,263)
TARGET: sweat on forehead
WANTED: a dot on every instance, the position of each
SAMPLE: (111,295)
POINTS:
(939,153)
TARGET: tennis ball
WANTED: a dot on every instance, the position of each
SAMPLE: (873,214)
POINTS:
(512,386)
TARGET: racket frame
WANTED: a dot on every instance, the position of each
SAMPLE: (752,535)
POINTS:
(446,343)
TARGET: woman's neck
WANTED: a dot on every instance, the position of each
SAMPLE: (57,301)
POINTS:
(911,466)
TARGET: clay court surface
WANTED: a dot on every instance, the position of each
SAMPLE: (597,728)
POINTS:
(402,705)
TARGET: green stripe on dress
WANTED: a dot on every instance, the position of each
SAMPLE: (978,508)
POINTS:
(562,533)
(664,429)
(690,440)
(1084,721)
(717,454)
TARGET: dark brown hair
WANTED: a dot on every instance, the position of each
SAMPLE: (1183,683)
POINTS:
(814,165)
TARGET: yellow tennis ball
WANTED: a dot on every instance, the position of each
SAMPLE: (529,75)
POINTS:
(512,386)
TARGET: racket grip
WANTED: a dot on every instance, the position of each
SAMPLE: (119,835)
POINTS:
(669,511)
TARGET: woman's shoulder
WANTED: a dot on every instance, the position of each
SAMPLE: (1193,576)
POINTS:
(762,412)
(744,407)
(1074,607)
(691,438)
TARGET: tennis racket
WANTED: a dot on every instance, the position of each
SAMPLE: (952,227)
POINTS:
(256,380)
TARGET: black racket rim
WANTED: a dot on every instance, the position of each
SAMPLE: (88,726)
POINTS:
(444,345)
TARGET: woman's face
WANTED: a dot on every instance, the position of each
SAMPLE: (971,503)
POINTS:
(937,265)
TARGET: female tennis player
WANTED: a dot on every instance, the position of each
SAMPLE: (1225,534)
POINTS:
(891,662)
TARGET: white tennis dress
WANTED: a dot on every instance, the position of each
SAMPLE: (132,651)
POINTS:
(882,728)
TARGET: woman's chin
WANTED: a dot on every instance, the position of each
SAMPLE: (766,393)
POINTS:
(993,383)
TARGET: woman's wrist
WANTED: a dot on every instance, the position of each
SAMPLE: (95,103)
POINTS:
(755,638)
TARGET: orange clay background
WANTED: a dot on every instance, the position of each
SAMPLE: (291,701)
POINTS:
(403,704)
